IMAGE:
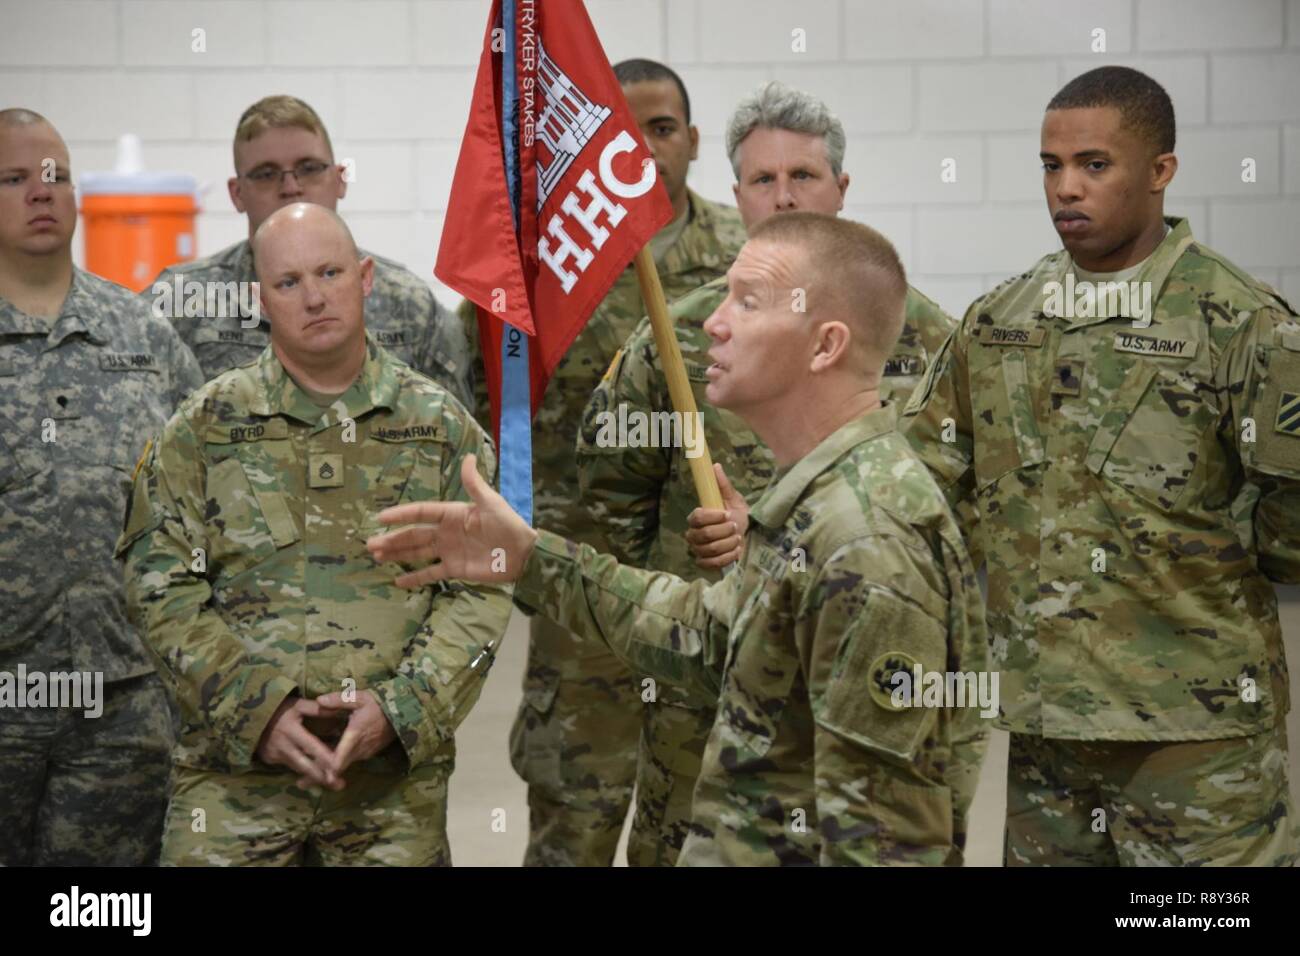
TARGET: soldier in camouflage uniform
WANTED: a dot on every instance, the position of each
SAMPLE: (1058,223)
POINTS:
(1143,675)
(86,374)
(276,135)
(279,635)
(574,739)
(787,151)
(853,574)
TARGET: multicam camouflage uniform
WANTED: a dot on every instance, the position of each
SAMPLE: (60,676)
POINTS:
(79,396)
(280,495)
(401,313)
(574,740)
(639,498)
(1143,673)
(853,570)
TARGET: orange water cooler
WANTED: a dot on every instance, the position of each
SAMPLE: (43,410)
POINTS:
(135,223)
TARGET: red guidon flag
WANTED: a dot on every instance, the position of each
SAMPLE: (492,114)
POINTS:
(555,190)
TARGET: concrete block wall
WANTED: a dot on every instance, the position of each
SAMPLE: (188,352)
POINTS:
(915,82)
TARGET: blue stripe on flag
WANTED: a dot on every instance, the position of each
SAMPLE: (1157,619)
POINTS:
(516,419)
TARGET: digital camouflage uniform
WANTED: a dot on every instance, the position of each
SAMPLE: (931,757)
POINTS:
(280,496)
(853,569)
(402,315)
(1143,674)
(574,740)
(79,396)
(640,498)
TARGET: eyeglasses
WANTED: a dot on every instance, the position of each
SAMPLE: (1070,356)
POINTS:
(307,172)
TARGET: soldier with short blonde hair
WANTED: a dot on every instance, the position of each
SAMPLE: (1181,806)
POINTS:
(788,151)
(853,581)
(283,155)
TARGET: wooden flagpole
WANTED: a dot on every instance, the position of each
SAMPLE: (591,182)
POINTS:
(679,387)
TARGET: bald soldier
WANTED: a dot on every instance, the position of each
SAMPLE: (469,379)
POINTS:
(1136,463)
(283,155)
(319,703)
(574,737)
(86,375)
(854,581)
(787,152)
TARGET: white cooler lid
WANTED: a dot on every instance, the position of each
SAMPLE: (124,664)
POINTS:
(141,183)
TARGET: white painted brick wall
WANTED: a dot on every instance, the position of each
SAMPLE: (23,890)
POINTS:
(1034,28)
(915,81)
(913,29)
(1209,24)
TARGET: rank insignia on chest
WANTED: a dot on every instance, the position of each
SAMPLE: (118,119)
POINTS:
(1288,414)
(325,471)
(1066,378)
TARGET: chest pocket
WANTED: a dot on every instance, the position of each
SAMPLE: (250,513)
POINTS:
(251,520)
(411,470)
(17,466)
(136,383)
(1157,420)
(762,667)
(1003,405)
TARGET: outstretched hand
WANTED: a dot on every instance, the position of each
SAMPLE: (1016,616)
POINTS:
(482,541)
(717,536)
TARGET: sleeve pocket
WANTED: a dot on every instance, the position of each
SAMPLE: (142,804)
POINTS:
(1277,414)
(864,701)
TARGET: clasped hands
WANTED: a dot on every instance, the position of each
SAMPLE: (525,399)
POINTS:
(286,742)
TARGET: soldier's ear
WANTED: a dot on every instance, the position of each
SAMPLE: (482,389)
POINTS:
(367,275)
(1163,168)
(232,187)
(693,133)
(833,339)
